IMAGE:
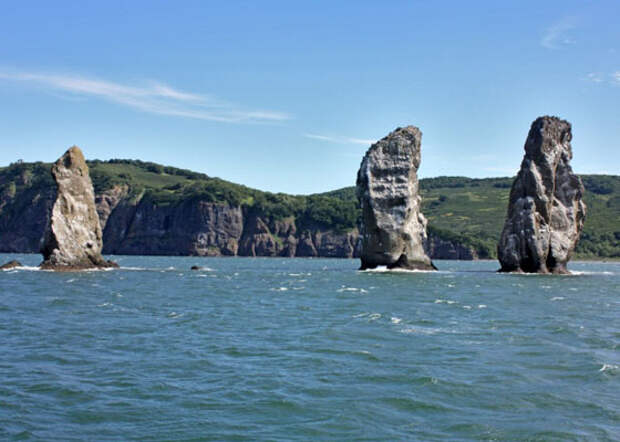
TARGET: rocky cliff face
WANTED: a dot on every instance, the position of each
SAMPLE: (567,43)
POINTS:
(545,212)
(73,237)
(393,230)
(439,248)
(133,224)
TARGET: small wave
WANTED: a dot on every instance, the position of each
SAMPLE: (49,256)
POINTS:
(361,315)
(585,272)
(467,307)
(374,316)
(351,289)
(421,330)
(444,301)
(557,298)
(482,306)
(279,289)
(175,315)
(609,367)
(395,320)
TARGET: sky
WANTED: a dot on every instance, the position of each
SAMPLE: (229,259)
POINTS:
(287,96)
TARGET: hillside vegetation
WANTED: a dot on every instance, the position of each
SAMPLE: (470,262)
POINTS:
(468,210)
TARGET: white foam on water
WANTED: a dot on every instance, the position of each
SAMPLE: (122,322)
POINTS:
(360,315)
(279,289)
(384,269)
(174,315)
(444,301)
(351,289)
(27,268)
(421,330)
(467,307)
(105,304)
(482,306)
(374,316)
(609,367)
(395,320)
(557,298)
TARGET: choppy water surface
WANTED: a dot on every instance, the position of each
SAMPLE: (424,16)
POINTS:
(308,349)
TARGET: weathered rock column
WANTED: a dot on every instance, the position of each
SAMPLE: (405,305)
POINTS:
(393,230)
(73,238)
(545,212)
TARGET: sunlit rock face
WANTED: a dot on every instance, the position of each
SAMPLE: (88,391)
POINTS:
(545,211)
(73,238)
(393,230)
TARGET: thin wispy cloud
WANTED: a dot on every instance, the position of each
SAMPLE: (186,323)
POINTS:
(595,77)
(151,97)
(340,140)
(557,35)
(612,78)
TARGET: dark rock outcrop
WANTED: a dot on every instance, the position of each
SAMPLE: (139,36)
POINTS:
(10,265)
(73,238)
(393,229)
(545,212)
(439,248)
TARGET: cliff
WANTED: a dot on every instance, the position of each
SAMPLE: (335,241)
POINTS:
(146,208)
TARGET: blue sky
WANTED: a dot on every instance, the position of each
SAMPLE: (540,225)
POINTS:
(287,96)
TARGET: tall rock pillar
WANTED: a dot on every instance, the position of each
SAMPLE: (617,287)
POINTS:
(545,211)
(393,229)
(73,238)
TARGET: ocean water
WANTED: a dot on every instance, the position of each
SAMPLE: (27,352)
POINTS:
(308,349)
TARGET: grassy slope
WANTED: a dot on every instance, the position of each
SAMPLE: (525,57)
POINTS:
(470,210)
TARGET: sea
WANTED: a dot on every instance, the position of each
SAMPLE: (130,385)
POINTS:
(308,349)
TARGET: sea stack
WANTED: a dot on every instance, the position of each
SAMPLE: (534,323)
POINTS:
(545,211)
(393,231)
(73,238)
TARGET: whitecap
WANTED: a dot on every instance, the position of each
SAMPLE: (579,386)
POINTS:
(609,367)
(467,307)
(420,330)
(482,306)
(360,315)
(395,320)
(347,289)
(557,298)
(374,316)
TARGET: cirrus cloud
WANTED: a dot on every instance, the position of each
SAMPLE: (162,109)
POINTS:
(151,97)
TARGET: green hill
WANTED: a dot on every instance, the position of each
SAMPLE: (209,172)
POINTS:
(471,211)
